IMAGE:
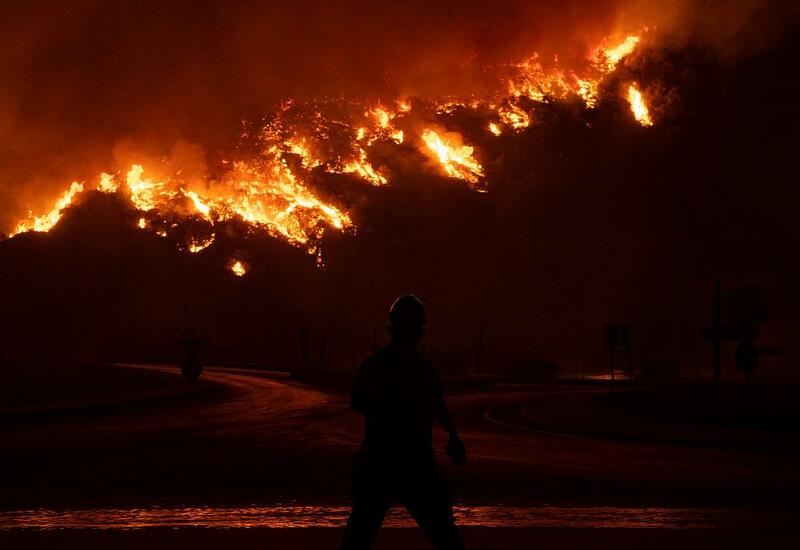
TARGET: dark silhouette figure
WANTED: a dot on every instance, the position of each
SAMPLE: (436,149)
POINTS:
(400,394)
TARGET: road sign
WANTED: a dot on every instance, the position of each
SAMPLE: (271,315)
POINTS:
(618,337)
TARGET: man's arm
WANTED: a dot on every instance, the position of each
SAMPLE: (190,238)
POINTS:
(442,415)
(358,397)
(455,447)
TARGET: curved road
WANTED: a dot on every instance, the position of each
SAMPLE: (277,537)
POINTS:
(263,438)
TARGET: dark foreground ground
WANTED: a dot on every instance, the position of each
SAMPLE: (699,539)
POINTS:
(243,439)
(410,539)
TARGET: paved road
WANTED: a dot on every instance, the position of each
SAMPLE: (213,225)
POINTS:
(262,438)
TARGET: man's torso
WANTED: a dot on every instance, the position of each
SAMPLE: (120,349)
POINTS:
(397,393)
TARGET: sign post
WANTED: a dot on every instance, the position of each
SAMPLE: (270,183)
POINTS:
(717,340)
(618,337)
(718,333)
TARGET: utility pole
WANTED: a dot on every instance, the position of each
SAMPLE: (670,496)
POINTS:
(353,348)
(322,351)
(611,355)
(717,333)
(480,348)
(304,348)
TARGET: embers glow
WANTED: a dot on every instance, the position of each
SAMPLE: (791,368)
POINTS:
(300,147)
(198,244)
(362,168)
(238,268)
(514,116)
(381,116)
(638,106)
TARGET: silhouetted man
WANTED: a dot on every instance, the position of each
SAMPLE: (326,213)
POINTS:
(399,394)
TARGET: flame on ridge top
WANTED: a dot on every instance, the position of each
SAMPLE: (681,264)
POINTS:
(270,190)
(47,221)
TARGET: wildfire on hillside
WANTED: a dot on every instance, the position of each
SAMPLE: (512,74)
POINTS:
(272,190)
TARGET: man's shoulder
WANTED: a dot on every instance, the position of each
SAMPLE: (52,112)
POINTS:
(382,355)
(388,353)
(379,357)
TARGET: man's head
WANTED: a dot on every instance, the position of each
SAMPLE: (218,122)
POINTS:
(407,320)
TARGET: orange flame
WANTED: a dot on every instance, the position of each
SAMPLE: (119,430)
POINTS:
(299,146)
(537,83)
(610,57)
(270,190)
(514,116)
(107,184)
(364,169)
(456,159)
(47,221)
(272,198)
(145,194)
(198,244)
(238,268)
(199,204)
(638,106)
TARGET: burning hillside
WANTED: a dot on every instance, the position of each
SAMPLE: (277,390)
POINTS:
(528,215)
(271,187)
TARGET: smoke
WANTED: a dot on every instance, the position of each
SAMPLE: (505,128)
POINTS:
(732,30)
(83,80)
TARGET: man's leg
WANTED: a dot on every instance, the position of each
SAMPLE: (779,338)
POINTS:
(429,504)
(372,499)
